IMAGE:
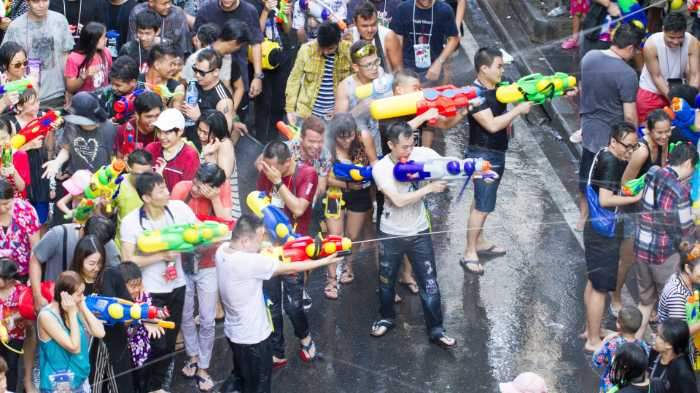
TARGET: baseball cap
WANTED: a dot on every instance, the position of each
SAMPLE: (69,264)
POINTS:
(170,119)
(77,183)
(526,382)
(86,110)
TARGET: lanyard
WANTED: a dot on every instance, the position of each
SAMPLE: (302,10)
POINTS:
(80,10)
(430,32)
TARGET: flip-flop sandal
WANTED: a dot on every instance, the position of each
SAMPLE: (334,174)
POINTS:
(381,327)
(466,263)
(412,287)
(279,364)
(331,289)
(442,344)
(489,252)
(191,366)
(305,351)
(200,380)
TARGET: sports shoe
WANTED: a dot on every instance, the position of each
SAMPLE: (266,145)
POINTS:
(306,300)
(570,43)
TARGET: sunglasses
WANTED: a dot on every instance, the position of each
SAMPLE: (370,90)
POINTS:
(366,50)
(21,64)
(201,72)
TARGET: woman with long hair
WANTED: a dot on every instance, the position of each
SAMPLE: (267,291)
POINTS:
(672,366)
(13,67)
(215,144)
(346,147)
(88,65)
(64,326)
(89,262)
(628,370)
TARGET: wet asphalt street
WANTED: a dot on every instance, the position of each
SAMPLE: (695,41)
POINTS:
(523,314)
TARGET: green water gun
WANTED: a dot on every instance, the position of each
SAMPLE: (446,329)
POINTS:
(634,186)
(6,155)
(536,88)
(281,12)
(82,212)
(182,237)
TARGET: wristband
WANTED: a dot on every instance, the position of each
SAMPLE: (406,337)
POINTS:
(277,186)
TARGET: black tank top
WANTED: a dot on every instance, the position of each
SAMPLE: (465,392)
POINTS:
(650,161)
(209,98)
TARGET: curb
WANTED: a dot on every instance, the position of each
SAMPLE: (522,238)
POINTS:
(560,110)
(540,28)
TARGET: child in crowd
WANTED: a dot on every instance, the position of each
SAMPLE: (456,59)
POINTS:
(75,192)
(13,322)
(18,172)
(628,321)
(578,9)
(148,25)
(139,342)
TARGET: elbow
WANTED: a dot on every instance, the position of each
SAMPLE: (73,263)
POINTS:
(73,348)
(298,211)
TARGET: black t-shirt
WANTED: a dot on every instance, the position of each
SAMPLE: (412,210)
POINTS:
(678,376)
(81,11)
(634,389)
(478,135)
(134,50)
(208,99)
(118,19)
(607,172)
(433,26)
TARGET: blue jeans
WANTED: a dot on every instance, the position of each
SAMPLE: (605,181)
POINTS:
(293,307)
(485,193)
(419,250)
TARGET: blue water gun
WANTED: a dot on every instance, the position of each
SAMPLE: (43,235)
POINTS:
(113,310)
(352,172)
(682,116)
(276,223)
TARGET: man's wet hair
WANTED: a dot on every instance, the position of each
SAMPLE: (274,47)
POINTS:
(485,57)
(397,129)
(675,23)
(626,35)
(277,150)
(245,226)
(620,130)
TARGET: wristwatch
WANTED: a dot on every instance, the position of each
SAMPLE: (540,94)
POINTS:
(260,76)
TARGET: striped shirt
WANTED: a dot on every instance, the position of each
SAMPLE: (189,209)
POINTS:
(325,101)
(673,299)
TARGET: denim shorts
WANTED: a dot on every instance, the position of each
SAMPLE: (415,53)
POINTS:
(485,192)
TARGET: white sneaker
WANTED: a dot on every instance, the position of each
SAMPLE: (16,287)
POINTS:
(306,300)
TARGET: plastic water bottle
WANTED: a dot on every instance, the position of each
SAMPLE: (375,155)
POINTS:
(191,99)
(112,37)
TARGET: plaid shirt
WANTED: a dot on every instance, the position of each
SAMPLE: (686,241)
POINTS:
(666,218)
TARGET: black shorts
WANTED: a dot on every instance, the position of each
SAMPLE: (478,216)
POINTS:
(584,167)
(358,201)
(602,257)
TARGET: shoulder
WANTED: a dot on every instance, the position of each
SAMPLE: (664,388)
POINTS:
(307,171)
(190,151)
(444,8)
(130,219)
(138,8)
(249,8)
(423,153)
(181,189)
(178,206)
(154,148)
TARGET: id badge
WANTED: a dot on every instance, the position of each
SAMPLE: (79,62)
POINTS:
(34,72)
(170,273)
(421,54)
(61,381)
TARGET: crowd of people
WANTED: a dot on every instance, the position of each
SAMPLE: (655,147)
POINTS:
(169,88)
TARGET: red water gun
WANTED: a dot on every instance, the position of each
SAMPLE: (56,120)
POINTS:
(129,143)
(306,247)
(124,106)
(50,121)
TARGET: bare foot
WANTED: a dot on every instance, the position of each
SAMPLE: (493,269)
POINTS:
(592,346)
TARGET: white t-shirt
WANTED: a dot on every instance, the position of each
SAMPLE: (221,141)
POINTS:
(410,219)
(241,276)
(133,225)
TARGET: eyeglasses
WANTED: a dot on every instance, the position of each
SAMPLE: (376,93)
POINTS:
(21,64)
(629,148)
(366,50)
(374,64)
(201,72)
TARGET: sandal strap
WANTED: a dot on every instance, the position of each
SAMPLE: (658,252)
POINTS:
(383,323)
(309,346)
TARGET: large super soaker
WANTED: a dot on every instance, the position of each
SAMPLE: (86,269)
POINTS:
(113,310)
(634,186)
(445,168)
(320,10)
(281,12)
(377,88)
(41,126)
(105,183)
(163,91)
(276,222)
(124,106)
(352,172)
(182,237)
(306,247)
(446,99)
(692,315)
(82,212)
(682,116)
(18,86)
(633,13)
(289,131)
(535,88)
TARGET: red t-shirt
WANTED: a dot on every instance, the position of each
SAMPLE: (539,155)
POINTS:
(20,160)
(141,139)
(202,206)
(182,167)
(101,64)
(303,184)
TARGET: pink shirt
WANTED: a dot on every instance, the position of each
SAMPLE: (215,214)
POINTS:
(14,241)
(101,63)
